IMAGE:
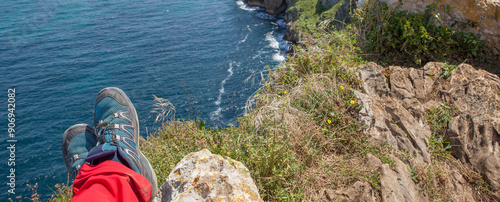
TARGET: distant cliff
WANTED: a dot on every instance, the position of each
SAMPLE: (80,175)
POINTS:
(273,7)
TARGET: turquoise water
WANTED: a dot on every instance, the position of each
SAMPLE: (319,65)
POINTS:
(58,54)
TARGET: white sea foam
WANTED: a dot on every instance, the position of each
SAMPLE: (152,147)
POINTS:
(259,53)
(221,90)
(278,56)
(244,6)
(245,39)
(272,41)
(216,114)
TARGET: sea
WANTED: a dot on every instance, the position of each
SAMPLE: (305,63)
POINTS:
(206,57)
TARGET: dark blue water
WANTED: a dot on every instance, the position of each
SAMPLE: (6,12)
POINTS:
(58,54)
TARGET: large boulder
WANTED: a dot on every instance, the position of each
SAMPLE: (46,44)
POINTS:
(483,15)
(203,176)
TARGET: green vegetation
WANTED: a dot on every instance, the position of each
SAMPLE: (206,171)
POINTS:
(392,37)
(397,37)
(302,135)
(313,17)
(63,193)
(431,177)
(267,155)
(447,70)
(439,118)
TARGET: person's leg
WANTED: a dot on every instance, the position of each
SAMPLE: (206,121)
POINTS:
(117,129)
(110,181)
(118,170)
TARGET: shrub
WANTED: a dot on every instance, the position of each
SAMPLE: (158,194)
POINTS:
(397,37)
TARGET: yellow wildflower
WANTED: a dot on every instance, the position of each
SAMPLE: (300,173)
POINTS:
(341,87)
(352,101)
(284,92)
(329,121)
(252,136)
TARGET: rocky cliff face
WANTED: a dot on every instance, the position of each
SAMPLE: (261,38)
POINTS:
(273,7)
(395,102)
(481,17)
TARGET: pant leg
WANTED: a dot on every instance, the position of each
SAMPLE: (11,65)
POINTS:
(110,181)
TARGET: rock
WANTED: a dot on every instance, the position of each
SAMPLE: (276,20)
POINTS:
(328,3)
(476,93)
(396,99)
(457,185)
(343,13)
(359,191)
(384,113)
(479,140)
(273,7)
(398,185)
(373,161)
(203,176)
(485,13)
(474,90)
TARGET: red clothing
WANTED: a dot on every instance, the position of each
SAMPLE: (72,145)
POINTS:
(110,181)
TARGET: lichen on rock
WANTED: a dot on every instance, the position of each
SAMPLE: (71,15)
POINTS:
(203,176)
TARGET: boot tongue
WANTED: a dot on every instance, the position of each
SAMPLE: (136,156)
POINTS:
(101,153)
(104,152)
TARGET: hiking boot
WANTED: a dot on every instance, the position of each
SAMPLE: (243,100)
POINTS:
(117,129)
(78,140)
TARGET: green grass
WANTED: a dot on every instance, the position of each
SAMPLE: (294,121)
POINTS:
(439,118)
(266,155)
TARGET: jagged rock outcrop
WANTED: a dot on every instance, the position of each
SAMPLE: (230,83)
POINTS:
(203,176)
(477,95)
(480,17)
(273,7)
(395,101)
(385,113)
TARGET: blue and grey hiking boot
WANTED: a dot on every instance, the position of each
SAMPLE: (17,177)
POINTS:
(78,140)
(117,128)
